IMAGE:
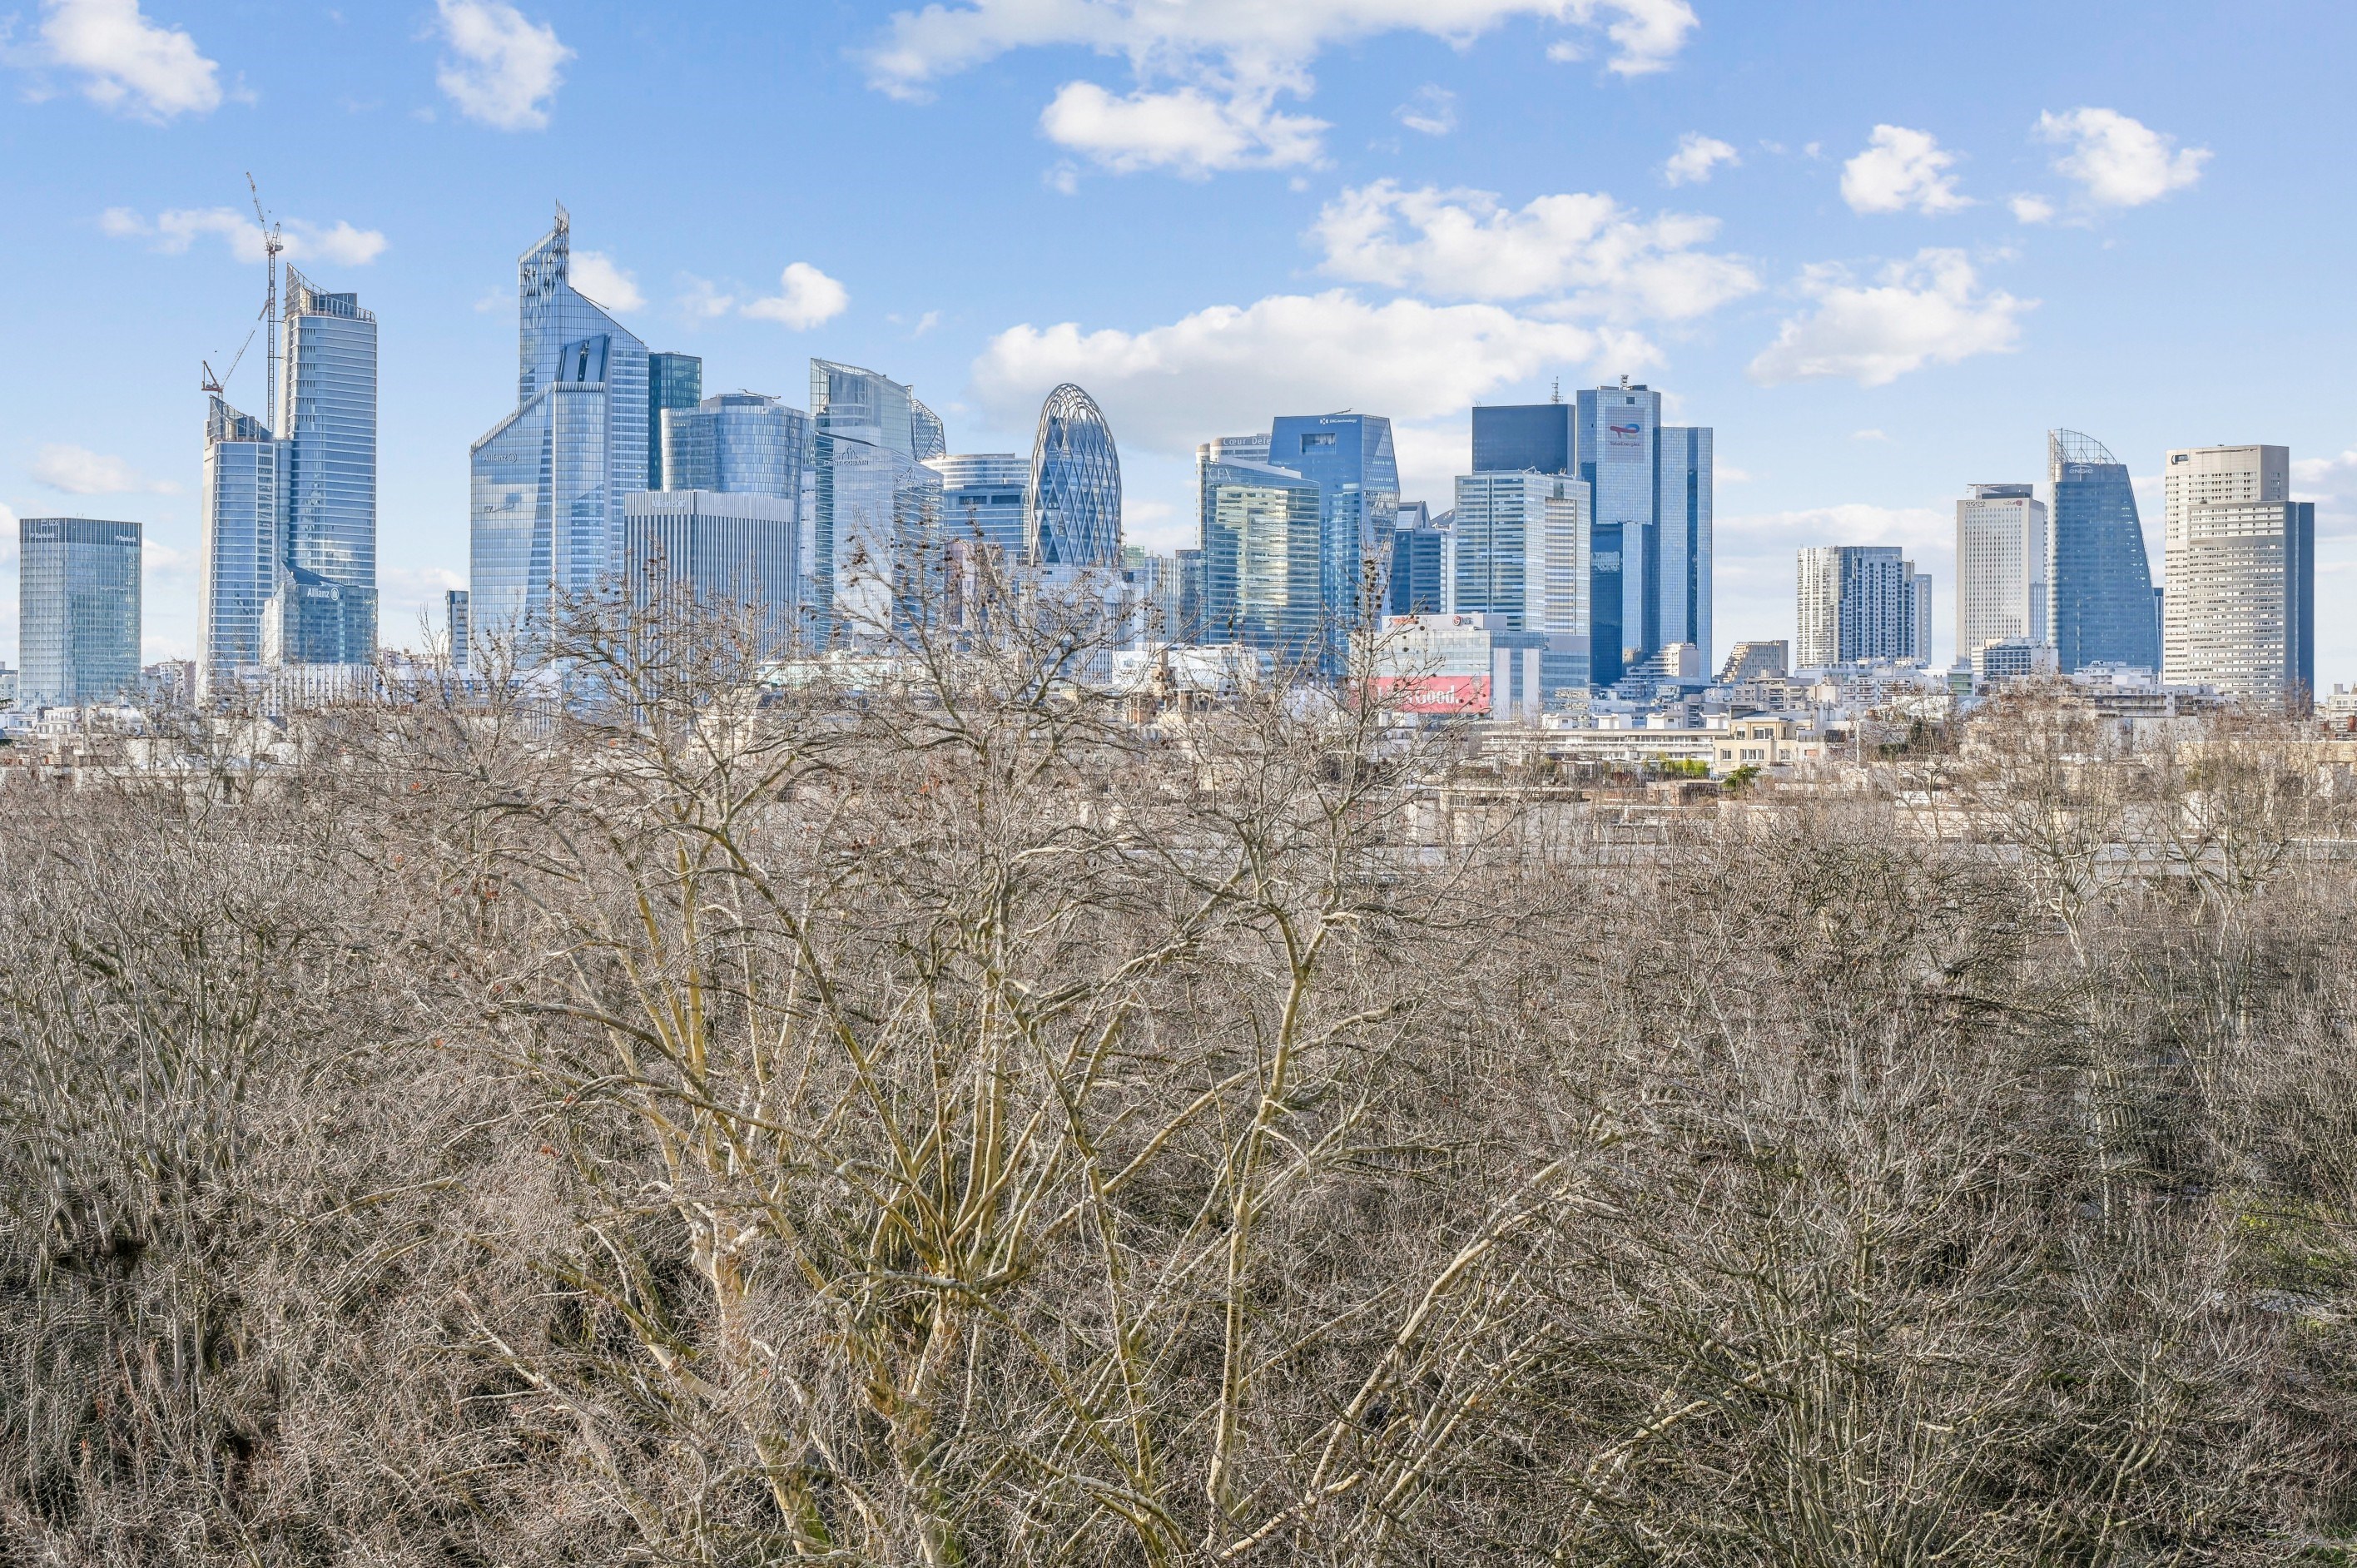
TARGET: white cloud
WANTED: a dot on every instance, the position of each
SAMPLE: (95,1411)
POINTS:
(1207,71)
(1586,252)
(1432,110)
(1921,529)
(1929,310)
(1190,132)
(1901,168)
(1696,157)
(174,231)
(1223,368)
(604,280)
(2120,161)
(2031,209)
(1868,435)
(78,471)
(502,69)
(805,297)
(704,301)
(127,63)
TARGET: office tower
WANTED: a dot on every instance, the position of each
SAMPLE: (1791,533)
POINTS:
(1538,437)
(244,515)
(1856,602)
(453,626)
(876,507)
(1191,595)
(1522,542)
(76,610)
(1350,457)
(1261,531)
(1075,485)
(673,381)
(2099,603)
(325,600)
(737,443)
(983,497)
(1652,493)
(724,554)
(547,482)
(1237,448)
(1919,620)
(2000,567)
(2239,614)
(1420,562)
(1156,592)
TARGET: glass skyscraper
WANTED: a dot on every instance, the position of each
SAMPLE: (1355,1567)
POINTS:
(245,512)
(327,420)
(736,444)
(1075,485)
(1522,541)
(1539,436)
(673,381)
(1651,554)
(721,552)
(1260,572)
(1421,561)
(76,610)
(983,496)
(547,482)
(1350,457)
(2100,605)
(876,507)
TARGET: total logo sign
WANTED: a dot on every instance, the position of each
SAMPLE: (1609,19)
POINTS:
(1624,438)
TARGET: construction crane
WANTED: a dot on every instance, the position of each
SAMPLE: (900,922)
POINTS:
(272,245)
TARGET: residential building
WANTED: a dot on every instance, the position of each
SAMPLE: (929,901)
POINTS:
(2011,659)
(1766,740)
(2100,605)
(725,553)
(76,610)
(2238,612)
(2000,566)
(1074,495)
(673,381)
(327,419)
(1919,622)
(244,512)
(1156,591)
(547,482)
(1350,457)
(1521,549)
(1652,500)
(1856,603)
(1261,531)
(983,496)
(877,518)
(1540,437)
(1756,662)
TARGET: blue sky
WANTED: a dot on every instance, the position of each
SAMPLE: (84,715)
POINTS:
(1880,247)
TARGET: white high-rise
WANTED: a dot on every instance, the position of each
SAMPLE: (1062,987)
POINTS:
(2238,614)
(1522,555)
(1858,602)
(2000,567)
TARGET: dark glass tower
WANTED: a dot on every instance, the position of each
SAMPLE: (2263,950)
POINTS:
(2100,609)
(1509,437)
(673,381)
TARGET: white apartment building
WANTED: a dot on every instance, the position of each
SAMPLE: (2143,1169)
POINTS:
(2000,567)
(2237,615)
(1857,602)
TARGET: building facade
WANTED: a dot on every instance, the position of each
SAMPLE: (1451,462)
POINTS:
(2099,599)
(673,381)
(244,509)
(877,532)
(1856,602)
(546,483)
(1074,494)
(1539,436)
(2238,612)
(1423,557)
(729,555)
(1522,546)
(1350,458)
(1652,493)
(984,498)
(737,443)
(1261,532)
(327,417)
(453,626)
(78,604)
(2000,566)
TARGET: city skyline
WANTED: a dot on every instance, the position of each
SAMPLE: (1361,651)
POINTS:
(1783,196)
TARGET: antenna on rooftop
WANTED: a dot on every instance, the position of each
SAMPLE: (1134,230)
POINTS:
(1556,396)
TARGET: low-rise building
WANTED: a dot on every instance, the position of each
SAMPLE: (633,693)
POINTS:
(1765,741)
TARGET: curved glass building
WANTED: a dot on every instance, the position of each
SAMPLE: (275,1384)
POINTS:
(1075,489)
(737,443)
(2100,609)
